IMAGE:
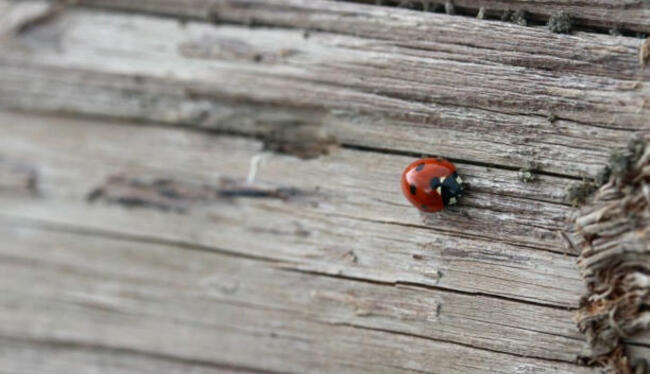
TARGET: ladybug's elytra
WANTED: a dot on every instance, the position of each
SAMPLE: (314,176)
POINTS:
(430,184)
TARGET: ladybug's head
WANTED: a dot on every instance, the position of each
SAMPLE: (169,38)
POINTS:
(450,188)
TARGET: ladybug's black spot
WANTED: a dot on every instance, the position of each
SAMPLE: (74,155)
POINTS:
(424,207)
(434,183)
(419,167)
(412,189)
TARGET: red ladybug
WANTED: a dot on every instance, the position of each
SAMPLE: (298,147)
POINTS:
(430,184)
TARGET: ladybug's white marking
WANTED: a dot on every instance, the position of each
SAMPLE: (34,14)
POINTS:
(459,180)
(439,190)
(443,180)
(452,200)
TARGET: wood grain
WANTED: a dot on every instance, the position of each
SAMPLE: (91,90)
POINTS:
(136,240)
(365,89)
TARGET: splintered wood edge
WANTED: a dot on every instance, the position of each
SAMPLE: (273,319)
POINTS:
(612,231)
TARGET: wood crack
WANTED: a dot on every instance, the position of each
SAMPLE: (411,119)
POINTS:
(427,287)
(449,342)
(288,266)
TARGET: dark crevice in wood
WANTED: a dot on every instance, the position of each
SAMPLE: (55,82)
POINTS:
(429,287)
(285,265)
(636,344)
(85,346)
(469,162)
(172,195)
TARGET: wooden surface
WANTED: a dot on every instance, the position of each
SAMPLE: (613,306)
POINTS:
(132,241)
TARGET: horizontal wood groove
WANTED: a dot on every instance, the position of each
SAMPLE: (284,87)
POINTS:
(433,288)
(417,336)
(470,162)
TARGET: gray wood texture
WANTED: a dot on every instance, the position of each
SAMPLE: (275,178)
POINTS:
(133,243)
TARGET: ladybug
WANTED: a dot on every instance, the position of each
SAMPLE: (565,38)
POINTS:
(431,184)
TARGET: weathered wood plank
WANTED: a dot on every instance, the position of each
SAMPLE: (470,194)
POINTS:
(398,72)
(312,248)
(630,15)
(79,289)
(503,242)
